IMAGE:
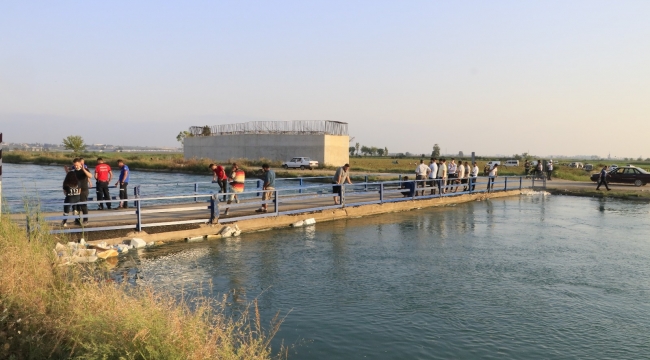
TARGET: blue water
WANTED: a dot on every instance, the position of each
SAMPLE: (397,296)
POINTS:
(530,277)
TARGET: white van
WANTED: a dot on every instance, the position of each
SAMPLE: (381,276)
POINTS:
(492,163)
(512,163)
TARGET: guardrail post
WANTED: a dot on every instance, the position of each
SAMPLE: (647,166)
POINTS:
(138,214)
(342,195)
(276,204)
(366,181)
(470,180)
(505,183)
(301,185)
(381,193)
(520,181)
(399,177)
(196,190)
(260,185)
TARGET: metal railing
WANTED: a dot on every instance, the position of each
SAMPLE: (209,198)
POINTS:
(326,127)
(288,200)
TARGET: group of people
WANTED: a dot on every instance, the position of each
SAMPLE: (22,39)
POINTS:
(539,169)
(78,182)
(236,177)
(439,175)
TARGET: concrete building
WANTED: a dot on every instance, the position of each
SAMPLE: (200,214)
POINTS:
(325,141)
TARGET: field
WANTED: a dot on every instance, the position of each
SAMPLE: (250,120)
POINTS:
(359,164)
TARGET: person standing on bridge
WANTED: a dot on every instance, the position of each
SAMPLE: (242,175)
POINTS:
(237,183)
(84,176)
(421,172)
(340,177)
(103,175)
(219,176)
(123,182)
(268,187)
(549,169)
(72,193)
(460,174)
(603,179)
(442,176)
(473,176)
(433,174)
(491,176)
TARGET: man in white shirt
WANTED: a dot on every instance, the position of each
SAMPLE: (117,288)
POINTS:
(473,175)
(421,173)
(433,173)
(461,174)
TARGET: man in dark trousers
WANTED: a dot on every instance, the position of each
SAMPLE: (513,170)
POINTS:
(103,175)
(84,176)
(123,182)
(603,179)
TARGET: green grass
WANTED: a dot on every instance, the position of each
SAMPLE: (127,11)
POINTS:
(51,312)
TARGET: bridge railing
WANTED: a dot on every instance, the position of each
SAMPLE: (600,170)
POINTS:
(207,207)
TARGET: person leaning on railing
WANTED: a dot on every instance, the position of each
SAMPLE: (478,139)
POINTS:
(219,176)
(340,177)
(238,180)
(410,185)
(492,175)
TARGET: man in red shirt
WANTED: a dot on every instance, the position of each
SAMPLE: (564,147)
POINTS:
(103,175)
(219,176)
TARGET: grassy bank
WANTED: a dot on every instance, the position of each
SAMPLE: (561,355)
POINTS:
(613,194)
(76,312)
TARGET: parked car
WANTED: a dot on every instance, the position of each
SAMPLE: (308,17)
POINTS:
(589,167)
(492,163)
(626,175)
(577,165)
(512,163)
(301,162)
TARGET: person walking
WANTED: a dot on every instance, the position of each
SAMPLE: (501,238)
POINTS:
(602,180)
(491,176)
(473,176)
(237,183)
(103,176)
(442,177)
(421,173)
(549,169)
(84,176)
(433,174)
(123,183)
(219,176)
(527,169)
(268,186)
(340,177)
(72,193)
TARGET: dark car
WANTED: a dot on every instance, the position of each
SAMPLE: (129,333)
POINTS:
(626,175)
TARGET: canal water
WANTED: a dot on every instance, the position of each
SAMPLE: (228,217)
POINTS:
(530,277)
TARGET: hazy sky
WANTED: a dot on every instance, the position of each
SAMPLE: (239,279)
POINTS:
(549,77)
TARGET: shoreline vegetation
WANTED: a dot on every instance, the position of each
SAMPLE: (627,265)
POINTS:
(166,162)
(52,312)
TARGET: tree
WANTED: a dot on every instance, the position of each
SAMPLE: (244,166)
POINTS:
(386,151)
(436,151)
(460,154)
(373,150)
(356,146)
(351,150)
(365,150)
(380,152)
(74,143)
(182,135)
(206,131)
